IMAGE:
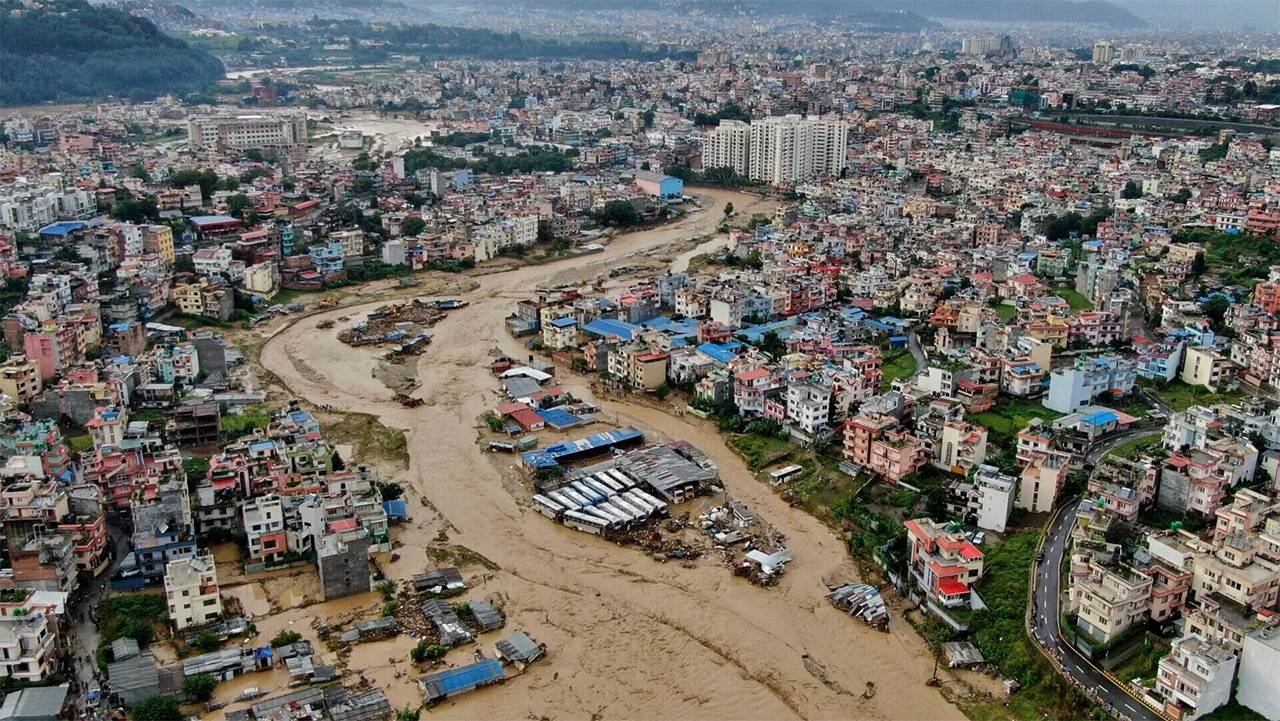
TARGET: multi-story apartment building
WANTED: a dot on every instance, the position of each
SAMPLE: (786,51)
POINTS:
(1041,481)
(943,565)
(28,643)
(1258,684)
(245,132)
(1195,678)
(881,445)
(1108,600)
(1077,386)
(191,589)
(1234,571)
(20,378)
(264,527)
(961,447)
(728,146)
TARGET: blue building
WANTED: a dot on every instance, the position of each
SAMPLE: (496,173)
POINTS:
(327,259)
(660,186)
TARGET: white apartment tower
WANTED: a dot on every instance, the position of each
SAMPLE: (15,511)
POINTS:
(728,146)
(792,148)
(780,150)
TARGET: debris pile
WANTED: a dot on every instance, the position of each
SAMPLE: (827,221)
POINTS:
(751,548)
(403,324)
(862,601)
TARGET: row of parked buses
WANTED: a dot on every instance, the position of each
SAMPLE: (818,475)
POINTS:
(601,503)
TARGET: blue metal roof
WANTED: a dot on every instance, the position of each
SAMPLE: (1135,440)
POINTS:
(1101,418)
(207,219)
(396,508)
(720,352)
(63,228)
(468,677)
(606,328)
(557,418)
(547,457)
(563,322)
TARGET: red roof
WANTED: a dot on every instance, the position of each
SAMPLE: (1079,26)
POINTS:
(753,375)
(345,524)
(952,587)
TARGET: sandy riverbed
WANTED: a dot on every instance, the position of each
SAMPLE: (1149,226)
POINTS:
(628,638)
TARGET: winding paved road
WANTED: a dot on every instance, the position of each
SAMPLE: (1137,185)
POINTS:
(1048,593)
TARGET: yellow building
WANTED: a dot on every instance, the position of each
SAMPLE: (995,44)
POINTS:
(158,239)
(20,378)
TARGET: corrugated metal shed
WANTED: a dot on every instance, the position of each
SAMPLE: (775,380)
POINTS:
(487,615)
(519,648)
(438,686)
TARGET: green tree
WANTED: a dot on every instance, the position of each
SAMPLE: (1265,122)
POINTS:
(1215,309)
(200,687)
(387,589)
(239,205)
(1132,191)
(139,171)
(206,641)
(728,209)
(285,638)
(413,225)
(620,213)
(135,210)
(156,708)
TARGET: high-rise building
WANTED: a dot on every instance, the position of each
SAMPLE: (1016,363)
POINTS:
(245,132)
(792,148)
(728,146)
(1104,51)
(979,44)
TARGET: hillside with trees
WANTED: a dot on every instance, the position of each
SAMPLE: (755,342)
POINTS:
(67,50)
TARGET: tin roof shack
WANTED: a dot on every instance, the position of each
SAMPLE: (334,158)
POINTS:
(962,654)
(675,472)
(134,676)
(384,627)
(328,703)
(39,703)
(446,620)
(343,562)
(439,686)
(440,583)
(487,616)
(228,663)
(520,650)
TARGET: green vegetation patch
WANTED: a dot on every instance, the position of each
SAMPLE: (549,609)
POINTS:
(369,438)
(897,365)
(1013,414)
(761,450)
(1181,396)
(1074,298)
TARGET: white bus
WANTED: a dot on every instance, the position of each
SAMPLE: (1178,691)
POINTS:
(563,500)
(621,478)
(547,507)
(587,491)
(584,523)
(605,480)
(576,497)
(599,487)
(658,504)
(779,476)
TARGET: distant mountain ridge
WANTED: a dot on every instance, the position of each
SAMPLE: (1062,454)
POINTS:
(901,15)
(68,50)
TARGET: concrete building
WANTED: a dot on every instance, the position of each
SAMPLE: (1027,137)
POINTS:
(943,566)
(994,497)
(245,132)
(20,378)
(1041,480)
(1077,386)
(1109,600)
(728,146)
(191,589)
(791,148)
(1195,678)
(1104,51)
(1258,685)
(343,562)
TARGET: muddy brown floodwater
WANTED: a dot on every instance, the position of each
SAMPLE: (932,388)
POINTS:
(628,637)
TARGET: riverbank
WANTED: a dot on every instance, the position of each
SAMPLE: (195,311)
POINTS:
(628,637)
